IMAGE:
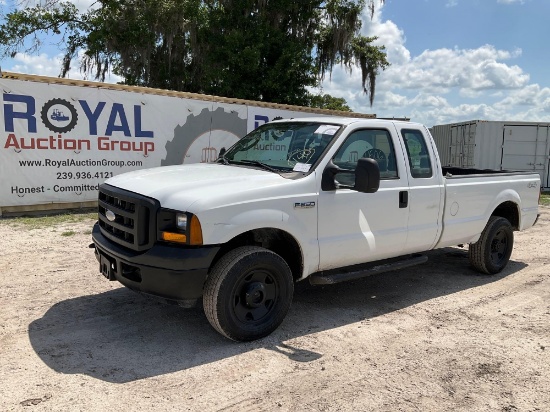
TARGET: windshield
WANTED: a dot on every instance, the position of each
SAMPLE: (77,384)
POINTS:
(285,147)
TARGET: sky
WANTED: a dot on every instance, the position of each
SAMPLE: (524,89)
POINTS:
(451,61)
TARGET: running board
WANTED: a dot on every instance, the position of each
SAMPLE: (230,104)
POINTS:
(360,271)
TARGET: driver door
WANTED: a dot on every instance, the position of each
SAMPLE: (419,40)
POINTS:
(359,227)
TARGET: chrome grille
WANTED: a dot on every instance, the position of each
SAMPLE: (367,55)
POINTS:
(127,218)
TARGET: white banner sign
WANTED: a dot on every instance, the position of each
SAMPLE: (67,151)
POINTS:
(59,142)
(259,115)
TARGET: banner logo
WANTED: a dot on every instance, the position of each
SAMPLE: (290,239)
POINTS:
(59,115)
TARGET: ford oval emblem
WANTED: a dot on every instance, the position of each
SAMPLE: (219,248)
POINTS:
(110,215)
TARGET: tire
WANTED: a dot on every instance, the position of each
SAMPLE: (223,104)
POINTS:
(248,293)
(491,253)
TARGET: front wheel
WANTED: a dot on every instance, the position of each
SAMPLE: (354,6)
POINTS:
(248,293)
(491,253)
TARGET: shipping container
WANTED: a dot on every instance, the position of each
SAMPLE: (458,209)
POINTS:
(497,145)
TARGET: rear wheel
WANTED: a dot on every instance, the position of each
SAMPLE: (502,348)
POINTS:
(491,253)
(248,293)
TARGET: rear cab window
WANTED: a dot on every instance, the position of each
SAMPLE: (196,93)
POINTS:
(417,152)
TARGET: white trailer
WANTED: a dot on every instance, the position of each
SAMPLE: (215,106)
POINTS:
(497,145)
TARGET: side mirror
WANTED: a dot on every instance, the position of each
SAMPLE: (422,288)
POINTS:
(328,182)
(367,176)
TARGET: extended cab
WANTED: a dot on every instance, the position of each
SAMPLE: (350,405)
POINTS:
(328,199)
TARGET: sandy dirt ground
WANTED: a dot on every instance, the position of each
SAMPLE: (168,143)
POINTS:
(436,337)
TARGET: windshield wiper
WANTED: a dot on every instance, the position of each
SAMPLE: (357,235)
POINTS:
(257,163)
(222,160)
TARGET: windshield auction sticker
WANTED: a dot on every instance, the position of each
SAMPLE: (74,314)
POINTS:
(329,129)
(301,167)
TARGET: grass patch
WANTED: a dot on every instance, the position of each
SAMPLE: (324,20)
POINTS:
(545,199)
(68,233)
(42,222)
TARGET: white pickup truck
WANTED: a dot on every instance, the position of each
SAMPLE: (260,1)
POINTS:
(327,199)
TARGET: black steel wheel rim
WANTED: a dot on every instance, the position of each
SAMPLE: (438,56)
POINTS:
(499,247)
(255,296)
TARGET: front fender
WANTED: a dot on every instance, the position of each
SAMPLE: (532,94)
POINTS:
(301,225)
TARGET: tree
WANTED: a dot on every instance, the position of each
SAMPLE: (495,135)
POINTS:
(326,101)
(271,50)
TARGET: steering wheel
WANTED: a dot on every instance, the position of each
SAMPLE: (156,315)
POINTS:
(375,154)
(301,155)
(253,142)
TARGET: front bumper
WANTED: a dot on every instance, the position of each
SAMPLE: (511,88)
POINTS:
(172,273)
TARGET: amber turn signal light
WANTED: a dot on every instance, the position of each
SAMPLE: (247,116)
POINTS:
(174,237)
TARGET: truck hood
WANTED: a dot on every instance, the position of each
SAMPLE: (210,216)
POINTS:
(210,185)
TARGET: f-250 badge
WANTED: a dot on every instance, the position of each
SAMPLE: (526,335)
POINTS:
(304,205)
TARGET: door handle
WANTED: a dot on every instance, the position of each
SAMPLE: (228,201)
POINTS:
(403,199)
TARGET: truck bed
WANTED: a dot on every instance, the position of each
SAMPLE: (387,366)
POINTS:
(450,171)
(471,195)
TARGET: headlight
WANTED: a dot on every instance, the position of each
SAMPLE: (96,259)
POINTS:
(181,221)
(179,227)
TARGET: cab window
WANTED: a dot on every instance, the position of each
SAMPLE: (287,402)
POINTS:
(371,143)
(417,152)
